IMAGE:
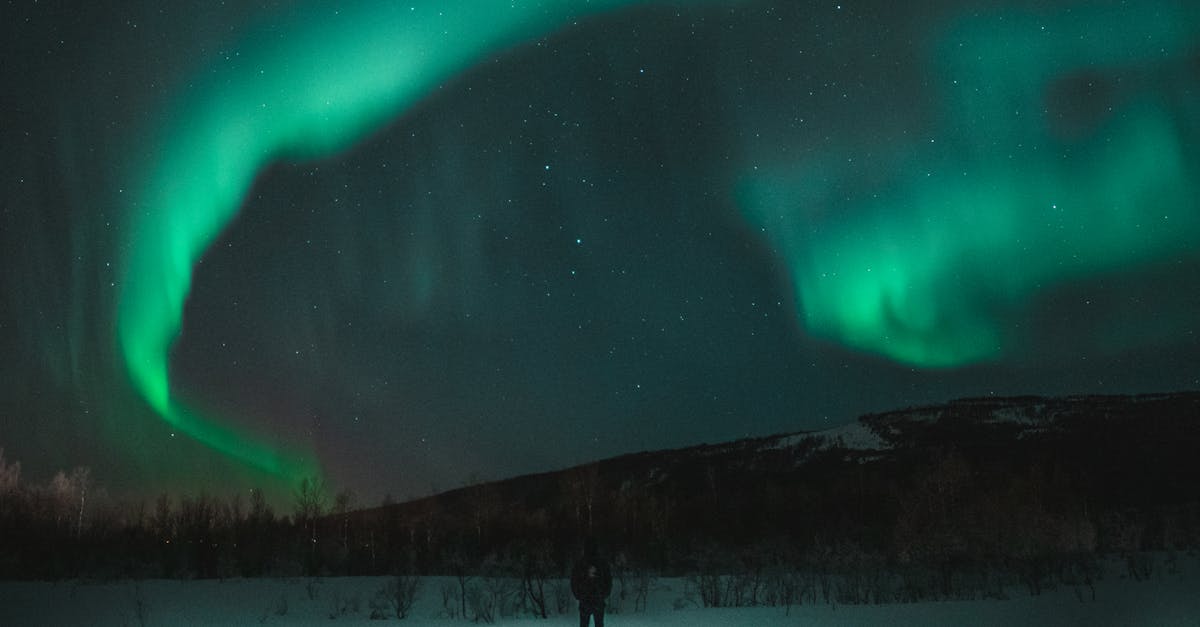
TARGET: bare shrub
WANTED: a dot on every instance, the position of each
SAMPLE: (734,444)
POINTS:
(505,593)
(342,605)
(451,600)
(562,596)
(535,572)
(781,588)
(480,604)
(141,610)
(402,594)
(379,605)
(492,597)
(1139,566)
(280,606)
(642,580)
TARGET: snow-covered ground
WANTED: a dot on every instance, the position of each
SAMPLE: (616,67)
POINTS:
(1169,598)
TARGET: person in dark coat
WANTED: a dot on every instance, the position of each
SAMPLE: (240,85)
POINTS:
(591,581)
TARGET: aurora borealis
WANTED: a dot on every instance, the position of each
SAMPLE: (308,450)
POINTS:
(474,239)
(325,80)
(917,279)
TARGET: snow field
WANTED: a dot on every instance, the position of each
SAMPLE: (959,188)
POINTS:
(1169,599)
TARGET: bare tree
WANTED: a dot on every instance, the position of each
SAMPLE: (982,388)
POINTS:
(70,494)
(310,499)
(10,482)
(536,570)
(161,521)
(485,505)
(260,512)
(10,475)
(401,593)
(81,478)
(343,504)
(582,486)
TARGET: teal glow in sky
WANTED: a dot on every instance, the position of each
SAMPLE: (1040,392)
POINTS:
(1006,198)
(299,89)
(406,244)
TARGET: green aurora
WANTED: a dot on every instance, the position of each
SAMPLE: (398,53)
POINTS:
(298,90)
(969,227)
(1004,203)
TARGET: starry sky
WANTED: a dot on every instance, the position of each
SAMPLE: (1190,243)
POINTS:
(409,245)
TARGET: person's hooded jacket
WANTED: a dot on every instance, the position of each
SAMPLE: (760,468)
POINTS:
(591,579)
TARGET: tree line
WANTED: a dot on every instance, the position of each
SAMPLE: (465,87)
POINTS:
(951,527)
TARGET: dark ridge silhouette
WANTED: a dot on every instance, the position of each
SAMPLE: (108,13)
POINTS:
(958,500)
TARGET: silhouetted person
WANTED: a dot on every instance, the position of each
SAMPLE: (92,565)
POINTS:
(591,581)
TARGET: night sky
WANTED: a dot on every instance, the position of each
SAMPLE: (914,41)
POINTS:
(410,245)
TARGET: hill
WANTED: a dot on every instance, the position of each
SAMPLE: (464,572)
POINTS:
(976,482)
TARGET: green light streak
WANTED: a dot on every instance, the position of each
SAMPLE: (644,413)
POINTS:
(298,90)
(929,272)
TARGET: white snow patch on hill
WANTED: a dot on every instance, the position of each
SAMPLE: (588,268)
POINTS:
(854,436)
(1019,415)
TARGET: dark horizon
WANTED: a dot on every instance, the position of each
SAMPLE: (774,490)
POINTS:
(974,500)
